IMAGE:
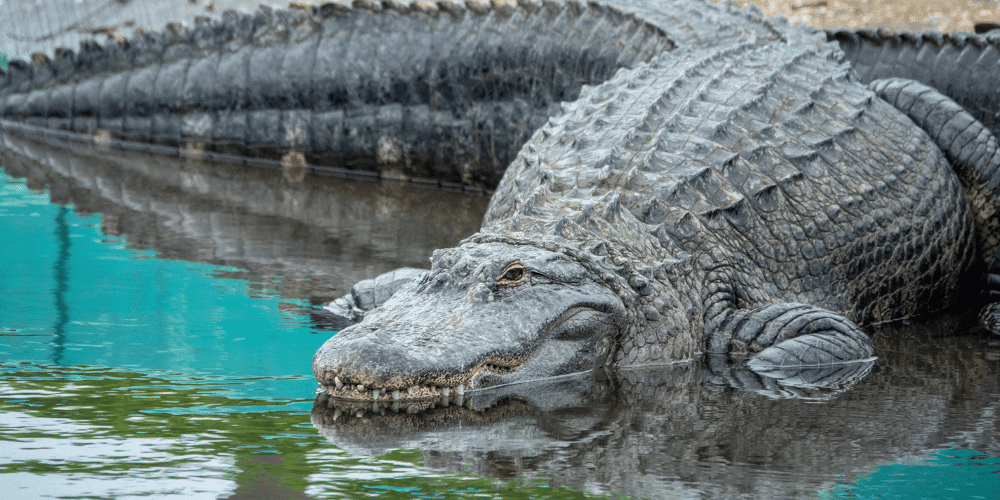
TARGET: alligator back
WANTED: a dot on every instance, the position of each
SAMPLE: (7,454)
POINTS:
(781,175)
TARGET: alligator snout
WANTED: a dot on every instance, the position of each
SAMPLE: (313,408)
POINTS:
(487,315)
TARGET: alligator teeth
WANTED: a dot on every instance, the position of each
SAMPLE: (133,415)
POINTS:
(445,391)
(323,388)
(459,400)
(460,390)
(374,407)
(337,413)
(434,388)
(338,383)
(375,394)
(381,391)
(395,395)
(329,403)
(360,413)
(361,388)
(395,407)
(323,396)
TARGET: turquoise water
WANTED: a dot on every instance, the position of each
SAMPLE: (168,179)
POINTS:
(126,373)
(78,298)
(945,475)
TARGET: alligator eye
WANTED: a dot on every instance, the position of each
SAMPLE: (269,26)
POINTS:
(514,274)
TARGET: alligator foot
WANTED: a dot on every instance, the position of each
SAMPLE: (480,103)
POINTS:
(790,336)
(367,295)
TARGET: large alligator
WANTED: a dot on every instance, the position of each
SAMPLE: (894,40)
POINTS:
(746,198)
(730,187)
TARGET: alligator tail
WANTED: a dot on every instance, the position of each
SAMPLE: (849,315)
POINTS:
(962,66)
(438,90)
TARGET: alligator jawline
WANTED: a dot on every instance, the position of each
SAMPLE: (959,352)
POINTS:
(420,393)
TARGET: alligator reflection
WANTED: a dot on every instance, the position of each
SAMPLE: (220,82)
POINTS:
(707,426)
(320,235)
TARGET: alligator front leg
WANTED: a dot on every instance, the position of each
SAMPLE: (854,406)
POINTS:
(367,295)
(788,335)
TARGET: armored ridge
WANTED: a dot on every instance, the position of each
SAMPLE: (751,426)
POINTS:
(761,150)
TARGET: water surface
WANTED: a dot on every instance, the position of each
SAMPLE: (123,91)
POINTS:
(156,336)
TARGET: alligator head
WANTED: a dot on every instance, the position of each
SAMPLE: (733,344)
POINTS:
(487,314)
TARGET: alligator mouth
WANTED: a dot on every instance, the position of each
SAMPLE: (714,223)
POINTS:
(445,391)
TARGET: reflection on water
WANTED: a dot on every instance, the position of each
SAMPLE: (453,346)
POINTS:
(712,430)
(320,236)
(156,342)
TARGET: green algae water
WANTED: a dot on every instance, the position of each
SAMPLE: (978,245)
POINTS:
(156,341)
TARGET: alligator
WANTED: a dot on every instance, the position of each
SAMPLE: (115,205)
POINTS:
(751,198)
(726,185)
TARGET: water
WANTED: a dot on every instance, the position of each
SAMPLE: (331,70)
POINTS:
(156,341)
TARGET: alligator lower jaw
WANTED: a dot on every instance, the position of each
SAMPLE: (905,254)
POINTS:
(334,407)
(328,411)
(419,395)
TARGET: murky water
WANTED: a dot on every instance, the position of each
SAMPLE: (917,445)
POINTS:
(156,341)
